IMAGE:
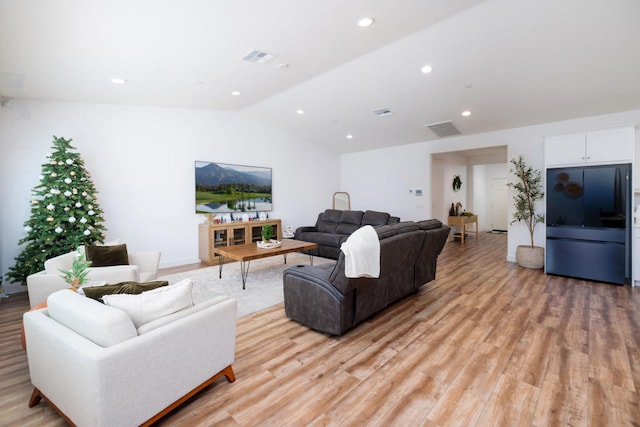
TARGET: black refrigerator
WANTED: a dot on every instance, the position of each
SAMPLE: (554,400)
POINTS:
(589,223)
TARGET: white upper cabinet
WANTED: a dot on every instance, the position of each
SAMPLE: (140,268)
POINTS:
(605,146)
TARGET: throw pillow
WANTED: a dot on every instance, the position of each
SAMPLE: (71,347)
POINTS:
(106,256)
(151,305)
(134,288)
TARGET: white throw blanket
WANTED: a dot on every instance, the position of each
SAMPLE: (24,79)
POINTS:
(362,253)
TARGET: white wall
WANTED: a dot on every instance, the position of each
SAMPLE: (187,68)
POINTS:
(381,178)
(142,162)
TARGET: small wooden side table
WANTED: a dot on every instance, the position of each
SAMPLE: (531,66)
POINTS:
(462,222)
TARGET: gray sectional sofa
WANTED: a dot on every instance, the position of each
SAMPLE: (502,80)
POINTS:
(324,299)
(334,226)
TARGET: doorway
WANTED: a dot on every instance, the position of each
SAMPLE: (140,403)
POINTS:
(484,174)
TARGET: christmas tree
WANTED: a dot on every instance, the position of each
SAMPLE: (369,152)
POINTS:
(64,212)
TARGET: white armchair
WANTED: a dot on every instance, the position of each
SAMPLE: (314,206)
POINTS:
(92,364)
(143,267)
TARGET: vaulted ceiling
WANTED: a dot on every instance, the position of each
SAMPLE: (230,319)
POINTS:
(509,63)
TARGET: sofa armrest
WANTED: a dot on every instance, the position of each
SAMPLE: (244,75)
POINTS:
(305,229)
(140,376)
(147,262)
(318,275)
(40,285)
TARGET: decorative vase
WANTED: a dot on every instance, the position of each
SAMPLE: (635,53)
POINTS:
(75,284)
(530,257)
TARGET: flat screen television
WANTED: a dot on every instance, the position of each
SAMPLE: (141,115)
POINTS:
(226,188)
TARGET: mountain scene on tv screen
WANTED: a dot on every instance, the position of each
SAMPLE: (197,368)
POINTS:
(222,188)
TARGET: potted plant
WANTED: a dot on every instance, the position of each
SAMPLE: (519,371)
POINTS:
(267,232)
(77,276)
(528,190)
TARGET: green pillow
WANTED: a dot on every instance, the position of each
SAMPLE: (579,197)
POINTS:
(97,292)
(106,256)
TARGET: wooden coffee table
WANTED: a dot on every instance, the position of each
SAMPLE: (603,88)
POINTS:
(251,251)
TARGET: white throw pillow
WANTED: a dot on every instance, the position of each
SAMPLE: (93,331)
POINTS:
(153,304)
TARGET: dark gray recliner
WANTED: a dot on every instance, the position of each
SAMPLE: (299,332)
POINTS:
(324,299)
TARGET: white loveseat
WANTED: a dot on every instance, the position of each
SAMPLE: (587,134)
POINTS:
(143,267)
(96,368)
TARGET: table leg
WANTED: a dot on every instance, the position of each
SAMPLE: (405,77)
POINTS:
(463,230)
(244,271)
(220,264)
(311,259)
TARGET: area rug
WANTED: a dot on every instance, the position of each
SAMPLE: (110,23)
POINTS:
(264,282)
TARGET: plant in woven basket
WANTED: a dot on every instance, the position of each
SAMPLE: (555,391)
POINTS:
(77,276)
(529,190)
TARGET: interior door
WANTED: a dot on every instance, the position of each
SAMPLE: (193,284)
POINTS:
(499,206)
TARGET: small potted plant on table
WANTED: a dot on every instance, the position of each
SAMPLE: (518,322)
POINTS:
(267,235)
(77,276)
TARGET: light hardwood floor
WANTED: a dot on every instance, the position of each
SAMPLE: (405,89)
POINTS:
(486,344)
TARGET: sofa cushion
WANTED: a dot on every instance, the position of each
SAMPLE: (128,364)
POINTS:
(150,305)
(375,218)
(346,229)
(164,320)
(405,227)
(385,231)
(329,239)
(430,224)
(97,292)
(106,256)
(351,217)
(328,221)
(105,326)
(327,227)
(349,222)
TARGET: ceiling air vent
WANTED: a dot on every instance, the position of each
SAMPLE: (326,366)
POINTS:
(258,57)
(444,129)
(382,112)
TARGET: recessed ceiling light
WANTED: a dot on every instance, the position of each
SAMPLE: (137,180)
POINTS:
(365,22)
(349,136)
(118,81)
(235,93)
(466,113)
(426,69)
(300,112)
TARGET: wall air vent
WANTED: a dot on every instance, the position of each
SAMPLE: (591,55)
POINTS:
(258,57)
(383,112)
(444,129)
